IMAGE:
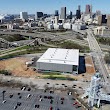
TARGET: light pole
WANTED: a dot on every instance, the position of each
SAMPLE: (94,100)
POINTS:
(3,94)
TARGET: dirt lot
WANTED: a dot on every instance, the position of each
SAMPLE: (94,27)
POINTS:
(89,65)
(18,68)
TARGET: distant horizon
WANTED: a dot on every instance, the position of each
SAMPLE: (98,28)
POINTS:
(49,6)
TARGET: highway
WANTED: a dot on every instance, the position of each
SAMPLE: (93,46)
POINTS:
(16,50)
(97,55)
(34,35)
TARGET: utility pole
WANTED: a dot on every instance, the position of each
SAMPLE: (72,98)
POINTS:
(3,94)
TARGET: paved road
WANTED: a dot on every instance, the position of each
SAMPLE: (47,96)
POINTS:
(38,35)
(11,51)
(97,54)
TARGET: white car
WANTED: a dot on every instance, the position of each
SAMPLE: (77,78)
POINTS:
(4,101)
(28,95)
(70,93)
(40,99)
(23,88)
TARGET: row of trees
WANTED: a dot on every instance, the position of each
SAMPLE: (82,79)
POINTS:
(12,38)
(79,37)
(104,40)
(72,45)
(107,58)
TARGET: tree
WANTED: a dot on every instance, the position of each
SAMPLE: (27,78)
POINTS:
(107,59)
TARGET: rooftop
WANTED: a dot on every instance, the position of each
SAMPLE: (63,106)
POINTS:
(60,56)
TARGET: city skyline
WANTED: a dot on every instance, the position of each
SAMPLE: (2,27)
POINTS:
(49,6)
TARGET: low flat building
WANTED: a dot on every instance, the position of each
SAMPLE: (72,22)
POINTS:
(59,60)
(67,26)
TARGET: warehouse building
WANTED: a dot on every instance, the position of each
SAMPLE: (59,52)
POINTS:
(59,60)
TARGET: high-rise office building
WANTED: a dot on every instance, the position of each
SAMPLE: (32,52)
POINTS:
(24,16)
(100,20)
(88,9)
(104,19)
(70,15)
(56,13)
(63,13)
(38,15)
(98,12)
(79,7)
(91,10)
(108,21)
(78,12)
(56,19)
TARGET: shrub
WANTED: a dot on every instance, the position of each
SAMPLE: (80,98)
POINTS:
(5,72)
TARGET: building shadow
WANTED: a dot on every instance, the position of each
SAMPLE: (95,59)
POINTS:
(105,102)
(82,67)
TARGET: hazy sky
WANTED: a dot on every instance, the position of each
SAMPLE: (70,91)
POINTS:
(48,6)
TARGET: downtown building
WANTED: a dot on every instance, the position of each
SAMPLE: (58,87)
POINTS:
(70,15)
(102,19)
(88,9)
(78,13)
(108,21)
(24,16)
(39,15)
(56,13)
(63,13)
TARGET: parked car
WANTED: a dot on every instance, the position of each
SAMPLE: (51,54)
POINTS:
(75,103)
(4,101)
(51,108)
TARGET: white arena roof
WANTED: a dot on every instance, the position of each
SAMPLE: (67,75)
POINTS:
(60,56)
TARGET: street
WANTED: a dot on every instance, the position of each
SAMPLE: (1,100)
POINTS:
(97,54)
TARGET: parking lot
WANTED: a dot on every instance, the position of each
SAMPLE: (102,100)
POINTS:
(31,99)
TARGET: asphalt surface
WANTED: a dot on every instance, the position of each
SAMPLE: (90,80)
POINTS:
(34,99)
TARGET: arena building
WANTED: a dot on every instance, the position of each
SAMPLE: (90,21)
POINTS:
(59,60)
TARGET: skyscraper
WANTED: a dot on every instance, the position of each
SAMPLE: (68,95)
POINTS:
(104,19)
(108,21)
(24,16)
(88,9)
(79,7)
(39,15)
(70,14)
(63,13)
(100,20)
(56,19)
(56,13)
(78,12)
(98,12)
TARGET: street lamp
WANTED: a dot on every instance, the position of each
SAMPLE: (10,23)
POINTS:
(3,94)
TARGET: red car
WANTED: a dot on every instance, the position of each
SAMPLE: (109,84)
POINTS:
(51,108)
(62,98)
(75,103)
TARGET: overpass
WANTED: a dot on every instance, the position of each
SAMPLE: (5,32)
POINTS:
(97,54)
